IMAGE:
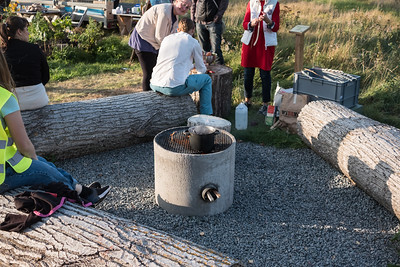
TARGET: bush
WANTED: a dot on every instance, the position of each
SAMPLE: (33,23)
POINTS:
(90,37)
(71,54)
(112,50)
(39,29)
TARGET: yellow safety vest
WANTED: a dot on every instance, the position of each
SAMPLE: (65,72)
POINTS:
(8,150)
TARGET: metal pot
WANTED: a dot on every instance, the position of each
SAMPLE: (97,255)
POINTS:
(201,138)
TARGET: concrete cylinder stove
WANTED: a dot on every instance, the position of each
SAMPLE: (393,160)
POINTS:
(188,182)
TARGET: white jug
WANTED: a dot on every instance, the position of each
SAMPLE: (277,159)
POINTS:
(241,117)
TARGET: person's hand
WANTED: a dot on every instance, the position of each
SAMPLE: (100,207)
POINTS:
(254,22)
(216,18)
(265,18)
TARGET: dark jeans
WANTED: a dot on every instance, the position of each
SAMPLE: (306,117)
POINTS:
(210,36)
(147,61)
(265,83)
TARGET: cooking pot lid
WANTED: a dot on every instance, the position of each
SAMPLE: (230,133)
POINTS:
(202,130)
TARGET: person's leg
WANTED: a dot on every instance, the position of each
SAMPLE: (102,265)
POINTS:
(203,84)
(248,83)
(215,30)
(193,83)
(266,86)
(40,172)
(204,37)
(147,61)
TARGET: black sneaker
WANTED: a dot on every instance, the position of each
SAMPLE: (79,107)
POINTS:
(95,185)
(98,195)
(263,110)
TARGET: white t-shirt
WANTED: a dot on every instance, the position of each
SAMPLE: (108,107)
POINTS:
(175,60)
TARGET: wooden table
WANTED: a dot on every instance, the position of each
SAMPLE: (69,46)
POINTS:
(49,14)
(125,22)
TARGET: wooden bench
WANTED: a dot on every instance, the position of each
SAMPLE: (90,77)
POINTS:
(80,236)
(78,128)
(366,151)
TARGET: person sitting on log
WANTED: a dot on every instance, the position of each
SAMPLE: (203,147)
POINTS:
(19,164)
(27,63)
(155,24)
(175,60)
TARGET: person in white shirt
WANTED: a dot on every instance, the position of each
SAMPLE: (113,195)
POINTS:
(175,60)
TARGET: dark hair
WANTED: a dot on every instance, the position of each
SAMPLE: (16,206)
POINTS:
(9,28)
(6,80)
(186,24)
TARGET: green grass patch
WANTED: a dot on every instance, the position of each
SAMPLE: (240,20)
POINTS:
(258,132)
(64,70)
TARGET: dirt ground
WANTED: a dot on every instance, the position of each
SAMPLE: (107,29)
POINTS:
(95,86)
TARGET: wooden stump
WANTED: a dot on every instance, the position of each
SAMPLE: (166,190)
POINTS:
(366,151)
(74,129)
(77,236)
(222,90)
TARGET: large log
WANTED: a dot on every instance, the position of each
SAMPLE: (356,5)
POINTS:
(80,236)
(77,128)
(366,151)
(222,90)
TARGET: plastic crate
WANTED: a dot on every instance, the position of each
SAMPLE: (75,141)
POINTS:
(328,84)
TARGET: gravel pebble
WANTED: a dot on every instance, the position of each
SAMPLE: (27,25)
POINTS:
(291,208)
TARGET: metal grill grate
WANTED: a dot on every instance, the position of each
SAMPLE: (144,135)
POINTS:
(176,140)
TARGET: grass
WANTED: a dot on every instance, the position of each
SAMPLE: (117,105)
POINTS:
(357,37)
(258,132)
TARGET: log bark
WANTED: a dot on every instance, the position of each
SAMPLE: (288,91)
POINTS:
(77,128)
(366,151)
(80,236)
(222,90)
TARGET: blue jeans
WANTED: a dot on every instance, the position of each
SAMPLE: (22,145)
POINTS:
(40,172)
(265,83)
(193,83)
(210,36)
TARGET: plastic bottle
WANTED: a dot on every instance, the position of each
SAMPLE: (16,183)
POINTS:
(241,117)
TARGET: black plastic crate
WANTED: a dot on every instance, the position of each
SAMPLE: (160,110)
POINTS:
(328,84)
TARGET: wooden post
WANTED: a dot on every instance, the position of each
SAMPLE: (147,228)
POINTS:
(221,77)
(299,30)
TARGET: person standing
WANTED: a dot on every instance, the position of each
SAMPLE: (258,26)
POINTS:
(175,60)
(27,63)
(207,14)
(262,20)
(156,23)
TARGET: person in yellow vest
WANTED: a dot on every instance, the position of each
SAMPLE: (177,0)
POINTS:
(19,164)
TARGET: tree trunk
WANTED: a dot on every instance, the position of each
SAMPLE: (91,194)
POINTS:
(366,151)
(80,236)
(74,129)
(222,90)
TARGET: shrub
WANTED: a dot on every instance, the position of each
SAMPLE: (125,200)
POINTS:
(71,54)
(112,50)
(39,29)
(90,36)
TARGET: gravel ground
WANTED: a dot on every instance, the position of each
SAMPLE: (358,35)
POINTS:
(290,208)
